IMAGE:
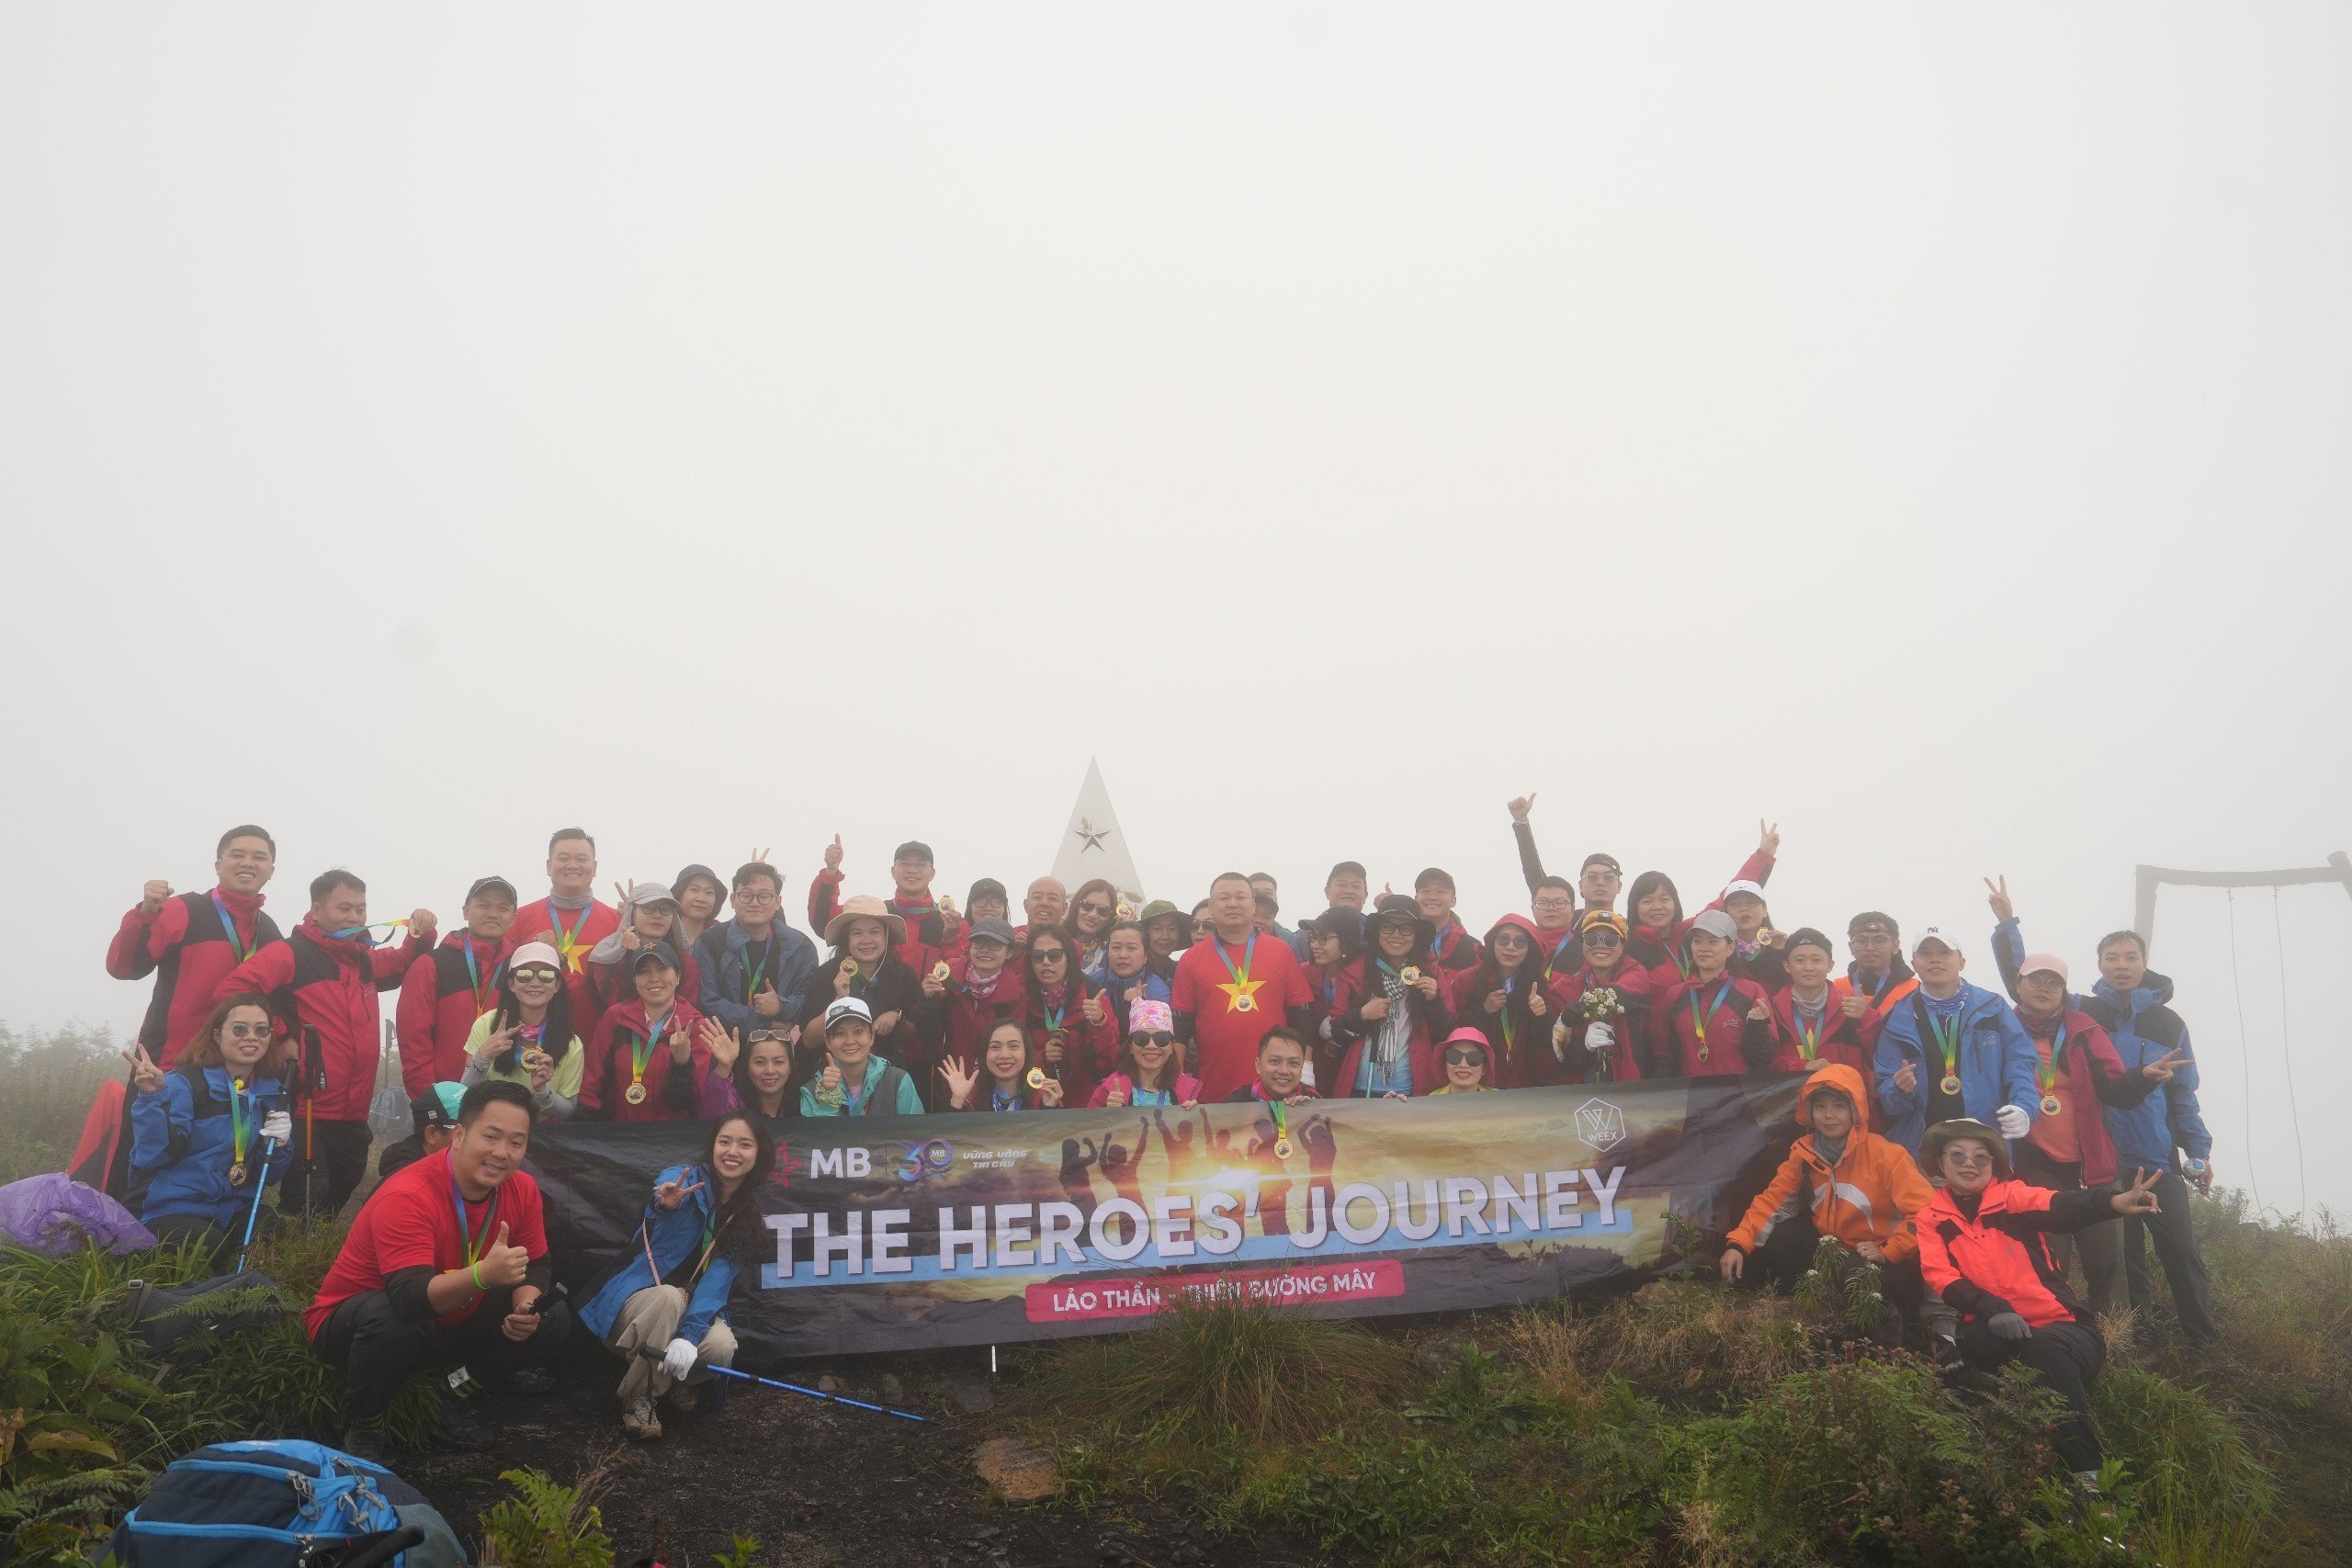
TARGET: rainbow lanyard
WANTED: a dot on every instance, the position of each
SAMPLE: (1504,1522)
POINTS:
(1808,1034)
(1249,957)
(1000,1101)
(1698,1020)
(642,1051)
(475,1245)
(240,1119)
(567,942)
(473,972)
(1392,974)
(1053,1015)
(238,946)
(1947,1042)
(2048,1072)
(755,973)
(1558,948)
(1510,1024)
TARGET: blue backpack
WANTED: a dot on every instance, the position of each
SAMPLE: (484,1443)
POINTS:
(281,1504)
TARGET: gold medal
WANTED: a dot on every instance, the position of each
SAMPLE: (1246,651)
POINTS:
(1245,1003)
(634,1094)
(237,1174)
(1125,912)
(947,908)
(1409,974)
(1702,1053)
(1952,1083)
(849,967)
(940,972)
(1282,1148)
(1036,1077)
(2050,1106)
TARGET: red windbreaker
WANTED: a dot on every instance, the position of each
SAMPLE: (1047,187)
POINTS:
(1893,987)
(1839,1039)
(958,1024)
(445,991)
(1431,1021)
(323,991)
(611,1065)
(1088,1050)
(1456,949)
(1721,1006)
(1633,1028)
(188,948)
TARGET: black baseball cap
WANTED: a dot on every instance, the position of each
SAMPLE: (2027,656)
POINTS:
(493,884)
(913,848)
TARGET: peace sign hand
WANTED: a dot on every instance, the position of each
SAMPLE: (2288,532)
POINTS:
(672,1193)
(2140,1197)
(499,1040)
(2161,1070)
(2002,909)
(145,1075)
(1768,839)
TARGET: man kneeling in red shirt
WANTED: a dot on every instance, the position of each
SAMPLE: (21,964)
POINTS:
(445,1266)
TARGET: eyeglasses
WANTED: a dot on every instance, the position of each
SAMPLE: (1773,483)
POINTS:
(246,1031)
(1159,1037)
(538,974)
(1554,904)
(1095,908)
(1465,1056)
(753,900)
(1049,955)
(1603,939)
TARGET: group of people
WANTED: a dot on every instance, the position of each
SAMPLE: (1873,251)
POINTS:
(1940,1117)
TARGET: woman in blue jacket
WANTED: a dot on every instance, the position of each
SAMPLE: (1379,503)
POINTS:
(701,1228)
(206,1136)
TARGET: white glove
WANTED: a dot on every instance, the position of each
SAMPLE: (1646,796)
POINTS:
(1599,1037)
(2012,1121)
(278,1127)
(679,1358)
(1560,1038)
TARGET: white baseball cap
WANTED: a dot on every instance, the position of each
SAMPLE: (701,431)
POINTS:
(1936,934)
(847,1007)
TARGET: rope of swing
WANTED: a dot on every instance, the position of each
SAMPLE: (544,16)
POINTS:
(2246,1067)
(2293,1114)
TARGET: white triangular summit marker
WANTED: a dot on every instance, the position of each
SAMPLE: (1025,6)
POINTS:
(1093,845)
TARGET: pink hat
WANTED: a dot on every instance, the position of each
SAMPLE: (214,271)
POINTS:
(1150,1018)
(2044,963)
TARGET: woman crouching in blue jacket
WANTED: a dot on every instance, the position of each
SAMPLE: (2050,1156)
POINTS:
(700,1230)
(198,1133)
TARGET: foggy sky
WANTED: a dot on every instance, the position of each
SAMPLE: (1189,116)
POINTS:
(423,426)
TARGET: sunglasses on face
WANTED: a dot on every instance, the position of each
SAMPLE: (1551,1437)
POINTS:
(534,974)
(1603,939)
(1048,955)
(1160,1038)
(759,1036)
(1465,1056)
(245,1031)
(1095,908)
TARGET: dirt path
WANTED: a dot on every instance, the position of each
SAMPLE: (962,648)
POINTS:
(817,1484)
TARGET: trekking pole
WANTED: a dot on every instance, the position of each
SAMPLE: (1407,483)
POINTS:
(653,1353)
(268,1148)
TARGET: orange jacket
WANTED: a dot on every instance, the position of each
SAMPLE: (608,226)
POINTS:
(1869,1195)
(1999,1260)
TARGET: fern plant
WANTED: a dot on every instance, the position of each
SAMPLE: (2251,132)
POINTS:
(544,1526)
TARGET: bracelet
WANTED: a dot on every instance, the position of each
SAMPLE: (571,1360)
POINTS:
(475,1269)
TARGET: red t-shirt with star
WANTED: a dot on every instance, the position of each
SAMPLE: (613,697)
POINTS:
(1225,1032)
(411,1222)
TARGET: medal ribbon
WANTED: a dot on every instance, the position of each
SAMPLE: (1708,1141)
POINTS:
(753,973)
(475,1245)
(473,974)
(567,942)
(1510,1024)
(1053,1015)
(1808,1034)
(1698,1020)
(642,1051)
(1282,1120)
(237,944)
(1948,1043)
(2048,1072)
(1558,948)
(241,1118)
(1249,957)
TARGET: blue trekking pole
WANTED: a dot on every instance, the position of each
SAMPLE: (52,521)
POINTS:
(268,1146)
(653,1353)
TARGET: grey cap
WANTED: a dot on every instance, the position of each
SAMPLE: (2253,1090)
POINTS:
(1718,922)
(992,929)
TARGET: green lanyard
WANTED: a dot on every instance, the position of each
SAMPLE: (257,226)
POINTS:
(2048,1072)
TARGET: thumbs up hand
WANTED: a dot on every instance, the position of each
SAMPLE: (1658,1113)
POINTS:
(504,1265)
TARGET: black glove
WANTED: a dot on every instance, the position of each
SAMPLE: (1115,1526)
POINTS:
(1948,1359)
(2009,1325)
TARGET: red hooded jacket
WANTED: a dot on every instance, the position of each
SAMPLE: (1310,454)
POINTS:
(1633,1028)
(671,1092)
(188,948)
(1730,1047)
(956,1024)
(1431,1020)
(1518,1043)
(1088,1050)
(440,998)
(1840,1039)
(323,990)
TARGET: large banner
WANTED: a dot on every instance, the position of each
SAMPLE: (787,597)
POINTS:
(906,1232)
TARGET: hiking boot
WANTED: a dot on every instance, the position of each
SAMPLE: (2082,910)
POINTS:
(533,1381)
(463,1431)
(638,1420)
(2086,1480)
(365,1439)
(684,1398)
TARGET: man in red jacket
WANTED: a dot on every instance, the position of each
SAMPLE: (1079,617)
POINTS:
(911,870)
(569,919)
(450,986)
(188,940)
(321,983)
